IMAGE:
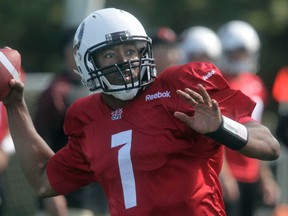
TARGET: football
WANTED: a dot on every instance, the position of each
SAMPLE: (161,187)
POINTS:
(10,65)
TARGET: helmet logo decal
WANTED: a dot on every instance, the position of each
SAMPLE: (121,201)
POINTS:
(117,114)
(78,39)
(118,36)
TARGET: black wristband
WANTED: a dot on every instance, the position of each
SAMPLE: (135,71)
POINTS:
(231,134)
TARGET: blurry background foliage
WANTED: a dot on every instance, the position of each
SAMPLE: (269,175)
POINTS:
(34,27)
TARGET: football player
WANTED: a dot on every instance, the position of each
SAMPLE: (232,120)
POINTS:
(155,144)
(200,43)
(165,48)
(239,65)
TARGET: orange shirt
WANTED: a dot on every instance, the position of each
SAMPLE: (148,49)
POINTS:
(280,89)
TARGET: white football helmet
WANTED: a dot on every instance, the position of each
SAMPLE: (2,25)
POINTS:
(239,36)
(200,43)
(108,27)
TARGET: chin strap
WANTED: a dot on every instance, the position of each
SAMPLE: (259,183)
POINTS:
(124,95)
(231,134)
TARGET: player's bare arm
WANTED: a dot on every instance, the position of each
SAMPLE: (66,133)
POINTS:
(32,151)
(259,143)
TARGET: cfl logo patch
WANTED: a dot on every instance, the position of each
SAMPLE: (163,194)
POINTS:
(117,114)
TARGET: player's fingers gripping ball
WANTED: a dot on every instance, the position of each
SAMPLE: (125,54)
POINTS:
(10,67)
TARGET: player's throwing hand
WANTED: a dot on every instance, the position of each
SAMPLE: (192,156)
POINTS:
(207,117)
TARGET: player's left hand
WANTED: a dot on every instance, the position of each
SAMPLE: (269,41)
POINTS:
(207,117)
(16,96)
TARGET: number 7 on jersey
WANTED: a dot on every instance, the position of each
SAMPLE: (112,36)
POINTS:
(125,166)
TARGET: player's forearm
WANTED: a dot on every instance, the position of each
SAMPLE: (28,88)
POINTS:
(261,143)
(252,139)
(56,206)
(32,151)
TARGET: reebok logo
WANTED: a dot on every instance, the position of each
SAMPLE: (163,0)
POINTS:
(209,75)
(157,95)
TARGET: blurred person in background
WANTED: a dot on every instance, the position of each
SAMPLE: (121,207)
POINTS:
(246,181)
(200,44)
(4,131)
(52,105)
(280,95)
(165,50)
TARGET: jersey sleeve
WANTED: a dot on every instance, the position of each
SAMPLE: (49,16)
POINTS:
(69,169)
(233,103)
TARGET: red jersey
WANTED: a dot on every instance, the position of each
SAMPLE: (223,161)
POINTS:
(243,168)
(148,162)
(4,129)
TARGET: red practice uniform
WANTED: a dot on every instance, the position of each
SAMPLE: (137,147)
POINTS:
(243,168)
(148,162)
(4,129)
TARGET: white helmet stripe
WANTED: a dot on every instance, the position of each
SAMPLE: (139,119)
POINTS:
(9,66)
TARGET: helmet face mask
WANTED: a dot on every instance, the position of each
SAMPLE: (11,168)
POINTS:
(120,77)
(121,74)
